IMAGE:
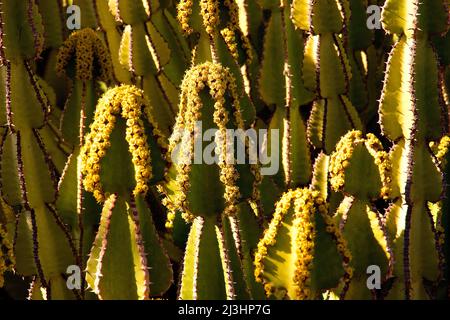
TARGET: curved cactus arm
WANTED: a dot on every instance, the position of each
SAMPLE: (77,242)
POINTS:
(202,99)
(302,253)
(327,69)
(215,30)
(405,220)
(293,149)
(177,54)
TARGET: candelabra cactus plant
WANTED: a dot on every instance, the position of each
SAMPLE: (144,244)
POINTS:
(209,96)
(124,126)
(412,115)
(121,149)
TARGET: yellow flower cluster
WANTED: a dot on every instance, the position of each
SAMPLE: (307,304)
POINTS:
(6,254)
(229,33)
(184,12)
(209,10)
(383,163)
(129,103)
(230,39)
(220,82)
(340,160)
(441,150)
(306,205)
(88,49)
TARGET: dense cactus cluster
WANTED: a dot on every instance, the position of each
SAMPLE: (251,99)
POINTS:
(137,148)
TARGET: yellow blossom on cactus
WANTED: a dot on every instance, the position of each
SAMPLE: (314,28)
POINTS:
(6,254)
(87,50)
(296,214)
(343,158)
(129,103)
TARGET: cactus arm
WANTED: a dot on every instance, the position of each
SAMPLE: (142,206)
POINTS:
(356,156)
(89,19)
(134,53)
(35,176)
(400,17)
(129,11)
(203,274)
(175,60)
(30,33)
(114,273)
(127,223)
(418,180)
(52,20)
(301,253)
(113,37)
(248,231)
(272,65)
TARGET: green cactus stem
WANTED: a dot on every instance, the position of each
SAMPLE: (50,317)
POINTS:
(302,252)
(215,247)
(361,224)
(124,127)
(411,116)
(326,70)
(31,161)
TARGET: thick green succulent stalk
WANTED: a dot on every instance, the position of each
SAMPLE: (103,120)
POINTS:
(224,228)
(53,13)
(151,49)
(359,221)
(30,155)
(366,61)
(411,115)
(326,70)
(84,58)
(282,88)
(127,259)
(302,253)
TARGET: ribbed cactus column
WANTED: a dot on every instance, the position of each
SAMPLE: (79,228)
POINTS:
(282,89)
(83,58)
(122,156)
(302,253)
(411,116)
(31,160)
(216,263)
(326,70)
(360,222)
(150,51)
(366,61)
